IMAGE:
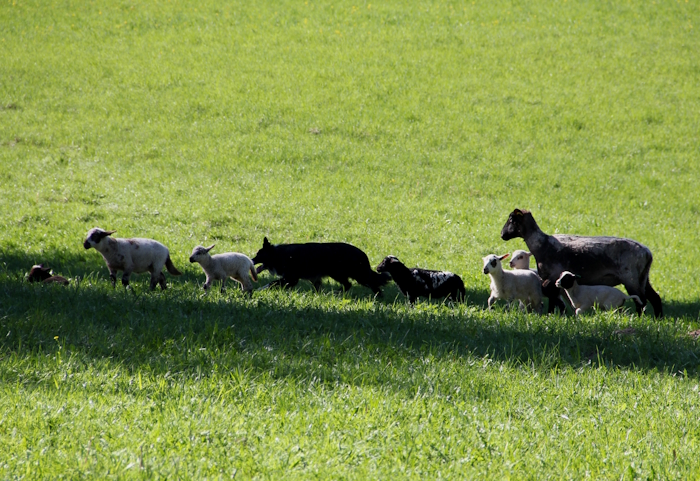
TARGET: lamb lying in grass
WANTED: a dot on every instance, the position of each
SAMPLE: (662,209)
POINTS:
(43,274)
(585,297)
(220,267)
(521,284)
(131,255)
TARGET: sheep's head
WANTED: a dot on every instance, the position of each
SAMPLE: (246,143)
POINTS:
(492,263)
(387,263)
(520,260)
(566,280)
(516,225)
(39,273)
(264,255)
(199,253)
(95,236)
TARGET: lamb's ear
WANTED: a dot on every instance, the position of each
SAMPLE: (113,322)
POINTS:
(266,242)
(503,256)
(209,248)
(546,283)
(517,212)
(528,254)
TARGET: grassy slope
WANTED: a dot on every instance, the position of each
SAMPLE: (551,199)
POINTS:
(408,129)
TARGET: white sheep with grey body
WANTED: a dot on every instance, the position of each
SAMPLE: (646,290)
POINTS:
(585,297)
(523,285)
(131,256)
(220,267)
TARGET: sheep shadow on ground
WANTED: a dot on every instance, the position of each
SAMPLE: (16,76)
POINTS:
(290,332)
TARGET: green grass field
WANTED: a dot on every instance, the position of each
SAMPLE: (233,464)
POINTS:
(406,128)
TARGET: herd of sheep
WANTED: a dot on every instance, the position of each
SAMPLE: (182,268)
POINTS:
(583,268)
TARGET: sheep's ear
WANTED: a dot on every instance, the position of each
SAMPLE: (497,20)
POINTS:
(528,254)
(546,283)
(503,256)
(209,248)
(110,232)
(517,212)
(577,276)
(266,242)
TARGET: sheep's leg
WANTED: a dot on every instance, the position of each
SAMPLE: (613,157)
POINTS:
(113,277)
(125,279)
(223,285)
(246,285)
(207,283)
(343,281)
(654,298)
(491,301)
(161,281)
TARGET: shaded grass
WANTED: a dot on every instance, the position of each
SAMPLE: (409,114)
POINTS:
(403,128)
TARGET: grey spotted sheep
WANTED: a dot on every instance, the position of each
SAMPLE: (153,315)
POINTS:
(220,267)
(598,260)
(131,256)
(416,282)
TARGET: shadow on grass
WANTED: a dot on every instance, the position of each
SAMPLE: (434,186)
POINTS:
(302,334)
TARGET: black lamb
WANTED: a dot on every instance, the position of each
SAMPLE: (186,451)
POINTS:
(415,282)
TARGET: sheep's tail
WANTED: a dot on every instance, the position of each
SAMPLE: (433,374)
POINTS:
(636,299)
(253,272)
(171,267)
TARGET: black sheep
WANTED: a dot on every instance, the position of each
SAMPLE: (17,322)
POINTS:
(416,282)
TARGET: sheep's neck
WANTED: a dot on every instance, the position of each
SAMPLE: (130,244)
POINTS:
(536,240)
(401,273)
(572,293)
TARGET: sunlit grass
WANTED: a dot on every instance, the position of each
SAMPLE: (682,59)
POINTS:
(410,129)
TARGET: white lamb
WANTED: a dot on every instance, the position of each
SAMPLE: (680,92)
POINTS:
(520,259)
(220,267)
(520,284)
(131,255)
(585,297)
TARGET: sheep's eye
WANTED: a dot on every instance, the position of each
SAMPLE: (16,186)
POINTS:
(493,263)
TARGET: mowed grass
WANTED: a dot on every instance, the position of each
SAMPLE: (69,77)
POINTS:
(403,128)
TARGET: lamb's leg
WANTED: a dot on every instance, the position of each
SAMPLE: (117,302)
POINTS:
(246,285)
(491,301)
(125,280)
(113,276)
(223,285)
(161,281)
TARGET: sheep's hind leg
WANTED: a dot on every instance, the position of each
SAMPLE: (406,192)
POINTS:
(161,282)
(655,300)
(343,281)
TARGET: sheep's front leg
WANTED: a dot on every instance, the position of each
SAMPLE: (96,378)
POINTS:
(113,276)
(223,285)
(491,301)
(207,283)
(125,279)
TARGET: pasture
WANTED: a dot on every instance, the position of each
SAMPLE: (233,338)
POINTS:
(405,128)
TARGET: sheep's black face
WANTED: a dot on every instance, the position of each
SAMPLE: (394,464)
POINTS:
(265,254)
(490,263)
(38,273)
(387,263)
(566,281)
(513,226)
(95,236)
